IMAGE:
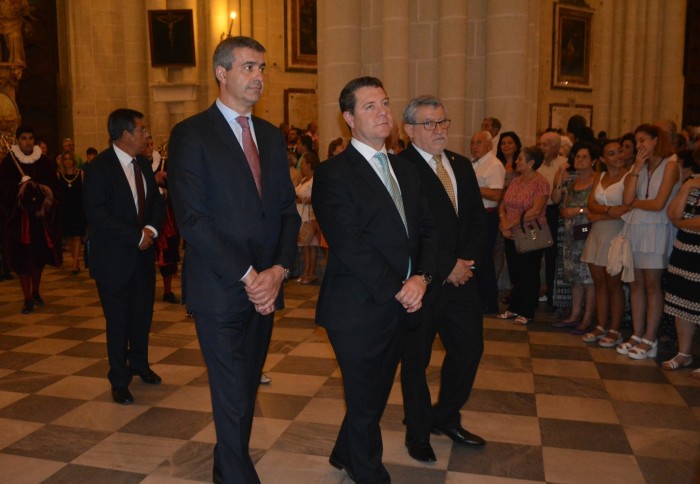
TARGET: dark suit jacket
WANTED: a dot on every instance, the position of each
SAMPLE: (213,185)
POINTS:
(369,247)
(226,226)
(114,226)
(459,236)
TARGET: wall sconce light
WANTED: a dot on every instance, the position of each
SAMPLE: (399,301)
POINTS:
(233,16)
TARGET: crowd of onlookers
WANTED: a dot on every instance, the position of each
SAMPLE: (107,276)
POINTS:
(615,208)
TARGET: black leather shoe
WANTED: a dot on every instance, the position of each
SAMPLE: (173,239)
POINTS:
(339,464)
(122,395)
(459,435)
(421,450)
(171,298)
(149,376)
(28,307)
(36,299)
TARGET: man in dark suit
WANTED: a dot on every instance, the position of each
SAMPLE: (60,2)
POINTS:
(124,212)
(452,306)
(235,206)
(372,211)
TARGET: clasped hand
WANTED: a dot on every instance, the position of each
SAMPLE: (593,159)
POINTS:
(461,273)
(411,294)
(147,239)
(263,287)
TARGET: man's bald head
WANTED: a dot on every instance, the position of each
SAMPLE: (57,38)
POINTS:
(550,143)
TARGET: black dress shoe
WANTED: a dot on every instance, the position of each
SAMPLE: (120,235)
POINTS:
(421,450)
(122,395)
(171,298)
(339,464)
(28,307)
(149,376)
(36,299)
(459,435)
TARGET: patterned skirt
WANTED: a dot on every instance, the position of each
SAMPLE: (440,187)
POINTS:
(682,296)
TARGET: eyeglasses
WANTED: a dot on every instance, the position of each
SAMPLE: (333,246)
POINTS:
(430,125)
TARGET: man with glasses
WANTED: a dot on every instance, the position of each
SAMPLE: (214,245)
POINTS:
(451,307)
(490,174)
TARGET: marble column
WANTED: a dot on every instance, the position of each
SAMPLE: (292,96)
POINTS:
(396,54)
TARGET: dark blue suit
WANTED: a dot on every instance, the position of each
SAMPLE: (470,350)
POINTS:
(125,275)
(368,261)
(227,228)
(453,312)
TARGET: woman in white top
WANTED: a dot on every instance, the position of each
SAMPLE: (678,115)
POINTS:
(650,185)
(605,209)
(309,249)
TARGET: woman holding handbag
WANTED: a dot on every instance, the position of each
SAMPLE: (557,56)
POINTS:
(309,233)
(522,212)
(574,212)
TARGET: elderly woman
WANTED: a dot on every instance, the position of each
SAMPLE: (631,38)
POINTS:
(604,211)
(649,187)
(683,278)
(72,215)
(574,212)
(524,200)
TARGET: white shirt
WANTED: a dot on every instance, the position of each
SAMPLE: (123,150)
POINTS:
(550,171)
(125,160)
(237,129)
(368,154)
(494,146)
(490,173)
(430,160)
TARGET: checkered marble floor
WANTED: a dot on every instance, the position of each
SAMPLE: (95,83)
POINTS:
(551,408)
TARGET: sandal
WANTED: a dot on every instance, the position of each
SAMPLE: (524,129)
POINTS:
(507,315)
(609,341)
(639,353)
(598,333)
(625,347)
(695,373)
(673,364)
(522,320)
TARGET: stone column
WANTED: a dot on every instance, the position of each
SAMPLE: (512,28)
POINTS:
(670,78)
(396,54)
(339,60)
(452,67)
(506,73)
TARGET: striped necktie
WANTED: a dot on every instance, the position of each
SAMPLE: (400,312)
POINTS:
(445,179)
(392,186)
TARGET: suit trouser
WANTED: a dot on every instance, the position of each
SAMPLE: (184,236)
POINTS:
(486,273)
(456,316)
(234,350)
(550,253)
(368,362)
(128,310)
(526,279)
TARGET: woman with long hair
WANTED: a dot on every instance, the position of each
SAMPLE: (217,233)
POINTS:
(605,210)
(649,187)
(309,248)
(72,214)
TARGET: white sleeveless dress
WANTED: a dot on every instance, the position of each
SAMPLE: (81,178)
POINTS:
(602,232)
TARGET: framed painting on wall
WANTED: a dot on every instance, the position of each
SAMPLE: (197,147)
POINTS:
(172,38)
(300,107)
(300,35)
(571,49)
(559,114)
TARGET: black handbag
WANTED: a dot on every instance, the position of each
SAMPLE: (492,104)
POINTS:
(531,236)
(581,231)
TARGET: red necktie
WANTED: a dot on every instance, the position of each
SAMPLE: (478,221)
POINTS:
(251,152)
(140,192)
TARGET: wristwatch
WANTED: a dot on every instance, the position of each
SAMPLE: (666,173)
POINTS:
(287,272)
(427,278)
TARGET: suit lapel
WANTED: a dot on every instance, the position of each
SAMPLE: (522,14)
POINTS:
(367,173)
(433,183)
(234,150)
(123,190)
